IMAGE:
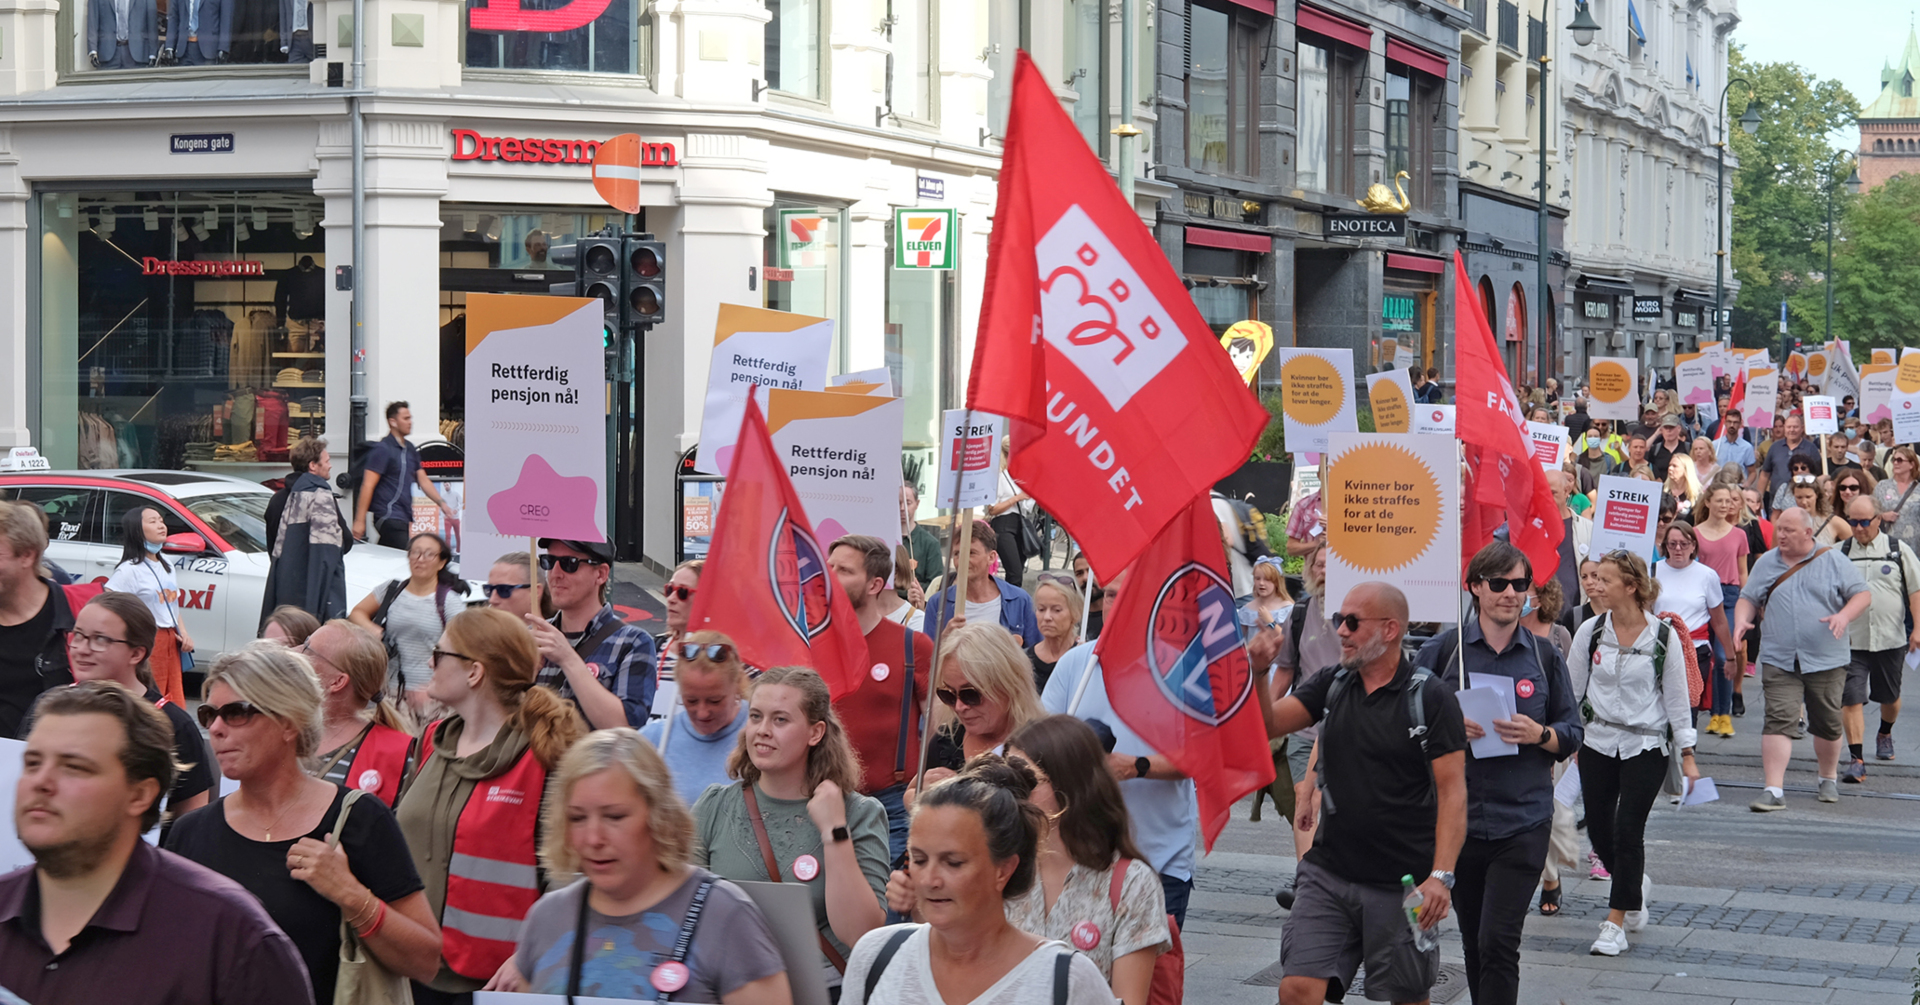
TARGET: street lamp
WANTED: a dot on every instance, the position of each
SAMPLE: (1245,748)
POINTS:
(1750,122)
(1584,26)
(1853,188)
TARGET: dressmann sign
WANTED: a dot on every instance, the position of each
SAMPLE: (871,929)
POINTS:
(469,145)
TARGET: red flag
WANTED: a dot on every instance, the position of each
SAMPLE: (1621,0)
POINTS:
(1123,405)
(1487,417)
(766,582)
(1738,396)
(1177,673)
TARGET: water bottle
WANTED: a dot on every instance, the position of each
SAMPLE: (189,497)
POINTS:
(1423,939)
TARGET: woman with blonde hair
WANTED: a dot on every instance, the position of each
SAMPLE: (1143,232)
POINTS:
(1899,503)
(315,853)
(1056,608)
(364,743)
(1705,464)
(699,735)
(796,813)
(1682,484)
(987,687)
(1271,602)
(613,817)
(472,810)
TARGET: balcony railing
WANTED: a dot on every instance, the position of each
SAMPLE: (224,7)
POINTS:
(1536,38)
(1477,14)
(1510,25)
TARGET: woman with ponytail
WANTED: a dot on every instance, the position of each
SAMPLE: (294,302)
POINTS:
(470,814)
(364,743)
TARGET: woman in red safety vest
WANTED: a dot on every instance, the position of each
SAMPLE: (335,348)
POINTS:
(365,743)
(471,813)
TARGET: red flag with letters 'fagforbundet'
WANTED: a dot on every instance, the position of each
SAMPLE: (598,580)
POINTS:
(1487,421)
(766,582)
(1123,404)
(1176,671)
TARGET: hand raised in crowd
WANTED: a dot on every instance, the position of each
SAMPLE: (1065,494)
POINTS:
(900,898)
(828,807)
(1264,647)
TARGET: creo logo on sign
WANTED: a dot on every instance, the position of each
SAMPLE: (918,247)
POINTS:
(470,145)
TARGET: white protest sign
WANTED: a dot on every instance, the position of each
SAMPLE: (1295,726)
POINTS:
(1433,420)
(1693,374)
(1625,516)
(1316,396)
(1877,382)
(876,381)
(1613,388)
(842,452)
(1392,506)
(1719,360)
(1820,410)
(753,346)
(1390,395)
(970,453)
(1549,442)
(536,417)
(1763,391)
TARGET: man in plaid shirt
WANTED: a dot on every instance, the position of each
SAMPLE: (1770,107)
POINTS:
(592,657)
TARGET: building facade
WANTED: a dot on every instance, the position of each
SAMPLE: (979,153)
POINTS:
(1638,135)
(1890,126)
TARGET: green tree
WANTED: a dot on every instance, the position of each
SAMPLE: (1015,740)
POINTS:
(1877,269)
(1788,170)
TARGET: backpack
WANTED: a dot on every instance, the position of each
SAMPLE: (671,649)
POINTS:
(394,587)
(1694,683)
(1343,678)
(1899,564)
(1253,531)
(1062,965)
(1296,623)
(1169,985)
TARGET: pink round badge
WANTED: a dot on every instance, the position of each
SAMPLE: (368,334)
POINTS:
(1086,935)
(369,780)
(669,977)
(880,671)
(1523,688)
(805,868)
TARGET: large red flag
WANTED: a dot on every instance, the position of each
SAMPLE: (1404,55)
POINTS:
(1488,421)
(1176,670)
(1123,405)
(766,581)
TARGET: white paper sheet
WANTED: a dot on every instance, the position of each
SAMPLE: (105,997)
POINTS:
(1701,791)
(1566,791)
(1913,660)
(1483,705)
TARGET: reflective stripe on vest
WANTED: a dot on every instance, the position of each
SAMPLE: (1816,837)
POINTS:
(492,879)
(384,751)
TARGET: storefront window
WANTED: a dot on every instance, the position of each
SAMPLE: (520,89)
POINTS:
(181,329)
(792,57)
(199,33)
(806,263)
(561,35)
(1223,285)
(1406,323)
(923,351)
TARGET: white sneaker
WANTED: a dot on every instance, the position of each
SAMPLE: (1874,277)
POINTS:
(1612,940)
(1637,920)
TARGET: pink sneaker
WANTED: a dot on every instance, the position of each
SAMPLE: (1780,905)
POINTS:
(1595,869)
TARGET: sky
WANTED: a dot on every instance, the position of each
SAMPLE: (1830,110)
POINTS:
(1844,40)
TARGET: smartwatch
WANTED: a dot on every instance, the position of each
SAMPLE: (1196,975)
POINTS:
(840,834)
(1141,766)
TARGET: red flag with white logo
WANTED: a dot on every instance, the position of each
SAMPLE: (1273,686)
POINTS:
(1176,671)
(766,582)
(1489,422)
(1123,405)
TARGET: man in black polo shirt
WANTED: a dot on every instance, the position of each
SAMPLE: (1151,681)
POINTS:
(1395,805)
(1670,442)
(1509,799)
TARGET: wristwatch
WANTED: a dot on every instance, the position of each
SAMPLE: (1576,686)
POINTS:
(1445,877)
(1141,766)
(840,834)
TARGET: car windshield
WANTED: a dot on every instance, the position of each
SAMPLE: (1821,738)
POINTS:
(241,518)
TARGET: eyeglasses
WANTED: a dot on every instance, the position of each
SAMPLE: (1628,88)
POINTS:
(969,696)
(672,592)
(502,590)
(438,653)
(1351,621)
(712,652)
(1863,524)
(1501,584)
(236,713)
(97,643)
(568,564)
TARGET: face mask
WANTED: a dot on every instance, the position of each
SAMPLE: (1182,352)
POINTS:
(1528,607)
(153,547)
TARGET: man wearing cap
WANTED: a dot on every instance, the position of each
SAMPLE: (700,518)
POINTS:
(1649,423)
(1671,440)
(595,659)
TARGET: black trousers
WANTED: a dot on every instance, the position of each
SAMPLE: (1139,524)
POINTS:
(1619,795)
(392,533)
(1013,560)
(1492,892)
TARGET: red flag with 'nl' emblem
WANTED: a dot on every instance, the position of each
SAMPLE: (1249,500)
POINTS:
(1123,404)
(766,582)
(1176,670)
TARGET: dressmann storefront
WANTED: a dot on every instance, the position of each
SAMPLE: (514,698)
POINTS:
(182,232)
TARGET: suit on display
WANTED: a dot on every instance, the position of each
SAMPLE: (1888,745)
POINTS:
(122,34)
(205,30)
(296,30)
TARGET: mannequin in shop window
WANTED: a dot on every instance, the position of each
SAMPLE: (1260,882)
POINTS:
(296,31)
(301,301)
(204,30)
(122,34)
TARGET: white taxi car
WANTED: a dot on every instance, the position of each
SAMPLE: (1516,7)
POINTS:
(217,542)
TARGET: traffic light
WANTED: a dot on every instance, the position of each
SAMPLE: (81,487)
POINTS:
(645,260)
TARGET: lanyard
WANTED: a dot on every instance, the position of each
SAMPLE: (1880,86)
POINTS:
(681,945)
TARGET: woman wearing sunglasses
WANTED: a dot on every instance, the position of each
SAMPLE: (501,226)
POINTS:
(510,586)
(274,835)
(408,615)
(1056,608)
(1691,589)
(364,743)
(1808,495)
(796,814)
(697,737)
(1847,485)
(986,688)
(678,593)
(112,639)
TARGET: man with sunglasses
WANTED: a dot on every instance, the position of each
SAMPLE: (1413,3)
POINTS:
(592,656)
(1393,803)
(1509,799)
(1881,640)
(880,719)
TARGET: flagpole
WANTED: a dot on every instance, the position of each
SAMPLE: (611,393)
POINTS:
(1459,544)
(961,553)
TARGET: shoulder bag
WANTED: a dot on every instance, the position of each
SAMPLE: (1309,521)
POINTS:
(362,980)
(773,869)
(1760,609)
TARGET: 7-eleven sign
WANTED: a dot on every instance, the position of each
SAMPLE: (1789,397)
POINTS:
(803,237)
(925,238)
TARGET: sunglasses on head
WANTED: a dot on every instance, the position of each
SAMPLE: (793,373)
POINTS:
(568,564)
(502,590)
(1351,621)
(1501,584)
(672,592)
(236,713)
(969,696)
(712,652)
(1803,479)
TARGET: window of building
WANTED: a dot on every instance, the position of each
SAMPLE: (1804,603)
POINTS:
(1223,66)
(915,36)
(1224,287)
(792,60)
(1084,54)
(619,39)
(1413,102)
(806,263)
(1008,29)
(922,347)
(1329,74)
(144,34)
(1407,308)
(180,329)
